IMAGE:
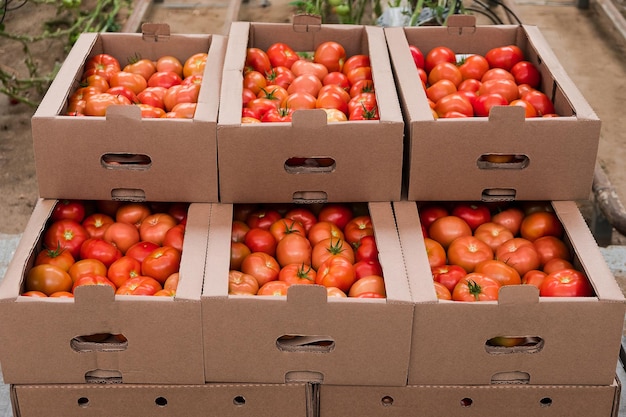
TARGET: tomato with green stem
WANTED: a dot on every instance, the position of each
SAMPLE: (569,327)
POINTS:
(476,287)
(297,274)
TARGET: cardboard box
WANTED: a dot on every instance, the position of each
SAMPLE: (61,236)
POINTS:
(306,336)
(579,337)
(223,400)
(360,150)
(41,337)
(472,401)
(445,157)
(95,158)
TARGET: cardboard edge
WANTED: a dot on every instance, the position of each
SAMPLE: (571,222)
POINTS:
(218,251)
(209,98)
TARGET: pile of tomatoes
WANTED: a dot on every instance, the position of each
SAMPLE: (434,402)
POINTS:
(166,87)
(279,81)
(475,248)
(135,248)
(333,245)
(470,85)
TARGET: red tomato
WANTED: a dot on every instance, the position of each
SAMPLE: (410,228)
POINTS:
(359,74)
(195,64)
(445,70)
(550,247)
(67,234)
(435,252)
(566,283)
(332,98)
(93,280)
(104,65)
(281,76)
(339,214)
(468,251)
(303,67)
(519,253)
(331,54)
(263,218)
(456,103)
(364,268)
(355,61)
(329,248)
(148,111)
(123,269)
(152,96)
(85,267)
(476,287)
(469,84)
(260,240)
(338,272)
(303,216)
(285,226)
(254,81)
(238,252)
(168,63)
(281,55)
(484,102)
(357,228)
(242,284)
(445,229)
(440,89)
(473,67)
(180,94)
(541,223)
(539,101)
(100,249)
(140,250)
(362,86)
(442,292)
(257,60)
(154,227)
(431,212)
(417,55)
(98,82)
(525,72)
(498,270)
(175,236)
(274,288)
(368,284)
(57,257)
(297,273)
(533,277)
(161,263)
(96,104)
(497,74)
(474,214)
(510,217)
(144,67)
(438,54)
(261,266)
(366,249)
(140,285)
(506,88)
(164,79)
(47,279)
(121,235)
(293,248)
(307,83)
(504,56)
(300,100)
(364,112)
(68,210)
(133,213)
(493,234)
(556,264)
(448,275)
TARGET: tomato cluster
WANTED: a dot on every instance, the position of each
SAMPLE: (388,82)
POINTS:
(162,88)
(475,248)
(279,81)
(469,85)
(275,247)
(135,248)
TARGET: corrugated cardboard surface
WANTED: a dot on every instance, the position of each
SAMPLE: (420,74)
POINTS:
(471,401)
(550,144)
(370,339)
(163,333)
(242,400)
(252,157)
(581,336)
(182,152)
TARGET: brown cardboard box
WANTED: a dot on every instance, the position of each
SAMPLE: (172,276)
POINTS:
(223,400)
(580,336)
(472,401)
(41,340)
(444,155)
(306,336)
(178,156)
(252,157)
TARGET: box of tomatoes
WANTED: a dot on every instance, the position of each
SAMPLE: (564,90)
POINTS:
(136,115)
(508,293)
(314,108)
(329,305)
(460,88)
(105,292)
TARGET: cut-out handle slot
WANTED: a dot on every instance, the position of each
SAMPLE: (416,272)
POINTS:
(310,165)
(302,343)
(129,161)
(103,376)
(128,194)
(502,161)
(99,342)
(511,377)
(304,376)
(498,194)
(310,197)
(514,344)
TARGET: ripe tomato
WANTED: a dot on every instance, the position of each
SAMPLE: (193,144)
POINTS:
(100,249)
(541,223)
(337,213)
(168,63)
(364,268)
(510,217)
(93,280)
(476,287)
(495,74)
(329,248)
(242,284)
(148,111)
(300,100)
(96,104)
(525,72)
(57,257)
(180,94)
(355,61)
(238,252)
(182,111)
(440,89)
(132,213)
(161,263)
(445,229)
(140,285)
(493,234)
(417,55)
(368,284)
(98,82)
(61,294)
(121,235)
(263,218)
(152,96)
(171,283)
(539,101)
(303,66)
(506,88)
(364,112)
(469,84)
(281,76)
(504,56)
(473,67)
(431,212)
(140,250)
(307,83)
(195,64)
(484,102)
(566,283)
(86,267)
(304,216)
(104,65)
(529,110)
(123,269)
(435,252)
(498,270)
(324,230)
(164,79)
(533,277)
(134,82)
(47,279)
(519,253)
(332,97)
(357,228)
(468,251)
(285,226)
(331,54)
(362,86)
(66,234)
(448,275)
(366,249)
(254,81)
(144,67)
(293,248)
(274,288)
(359,74)
(336,271)
(455,103)
(438,54)
(68,209)
(550,247)
(261,266)
(260,240)
(445,70)
(556,264)
(281,55)
(257,60)
(297,274)
(337,78)
(175,237)
(154,227)
(442,292)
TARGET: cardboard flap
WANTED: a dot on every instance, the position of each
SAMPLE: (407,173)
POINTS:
(518,294)
(461,24)
(307,22)
(155,31)
(123,112)
(307,295)
(507,115)
(94,296)
(309,119)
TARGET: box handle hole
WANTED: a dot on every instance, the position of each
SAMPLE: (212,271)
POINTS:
(310,165)
(498,194)
(103,376)
(514,344)
(511,377)
(128,194)
(310,197)
(130,161)
(301,343)
(100,342)
(310,377)
(502,161)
